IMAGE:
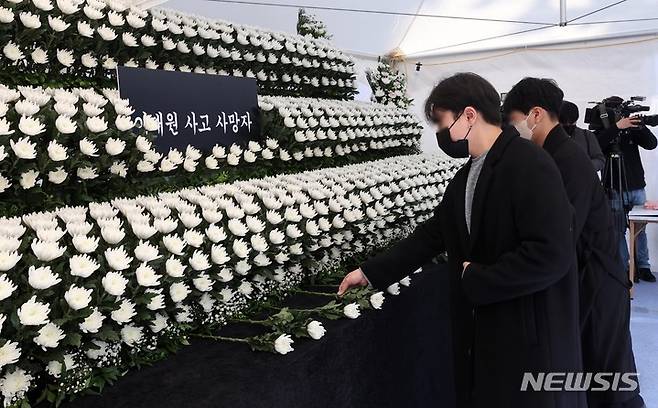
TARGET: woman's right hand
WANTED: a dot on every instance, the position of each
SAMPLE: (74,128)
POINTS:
(351,280)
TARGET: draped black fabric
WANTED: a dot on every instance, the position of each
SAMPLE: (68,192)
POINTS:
(395,357)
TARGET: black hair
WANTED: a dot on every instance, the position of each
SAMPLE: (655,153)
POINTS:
(462,90)
(531,92)
(568,113)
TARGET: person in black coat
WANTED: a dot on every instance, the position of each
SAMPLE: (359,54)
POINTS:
(513,273)
(626,136)
(584,138)
(604,285)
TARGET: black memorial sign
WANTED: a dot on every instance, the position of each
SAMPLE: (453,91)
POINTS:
(192,109)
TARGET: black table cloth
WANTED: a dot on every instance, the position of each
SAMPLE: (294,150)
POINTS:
(395,357)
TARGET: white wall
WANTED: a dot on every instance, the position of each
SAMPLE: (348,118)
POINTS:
(585,72)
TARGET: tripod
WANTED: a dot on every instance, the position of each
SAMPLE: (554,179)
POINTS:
(616,188)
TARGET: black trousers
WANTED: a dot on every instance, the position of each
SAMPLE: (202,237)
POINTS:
(607,344)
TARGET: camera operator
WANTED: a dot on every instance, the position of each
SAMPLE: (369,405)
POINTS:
(625,136)
(583,137)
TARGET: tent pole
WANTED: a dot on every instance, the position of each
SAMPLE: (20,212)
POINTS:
(563,13)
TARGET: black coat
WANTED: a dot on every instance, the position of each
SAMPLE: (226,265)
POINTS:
(515,309)
(628,145)
(604,284)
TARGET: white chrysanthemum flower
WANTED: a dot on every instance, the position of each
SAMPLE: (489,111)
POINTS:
(124,313)
(46,251)
(42,278)
(146,252)
(117,258)
(315,330)
(114,283)
(7,261)
(31,126)
(131,335)
(146,276)
(394,289)
(178,291)
(174,268)
(352,310)
(33,313)
(6,287)
(283,344)
(93,322)
(9,353)
(77,297)
(377,300)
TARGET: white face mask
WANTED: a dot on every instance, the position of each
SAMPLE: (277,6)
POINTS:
(524,130)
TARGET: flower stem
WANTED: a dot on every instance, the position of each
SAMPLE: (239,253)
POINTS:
(308,292)
(222,338)
(262,322)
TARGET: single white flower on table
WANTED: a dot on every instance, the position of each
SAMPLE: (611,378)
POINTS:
(283,344)
(178,292)
(42,277)
(174,267)
(352,311)
(31,126)
(9,353)
(78,297)
(394,289)
(33,313)
(124,313)
(49,336)
(93,322)
(7,287)
(405,281)
(315,330)
(377,300)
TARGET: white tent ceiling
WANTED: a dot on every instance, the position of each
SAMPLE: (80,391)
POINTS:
(464,25)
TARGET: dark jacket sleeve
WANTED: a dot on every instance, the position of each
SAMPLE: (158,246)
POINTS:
(605,136)
(594,150)
(643,137)
(543,218)
(406,255)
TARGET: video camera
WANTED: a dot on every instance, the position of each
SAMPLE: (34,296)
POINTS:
(610,110)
